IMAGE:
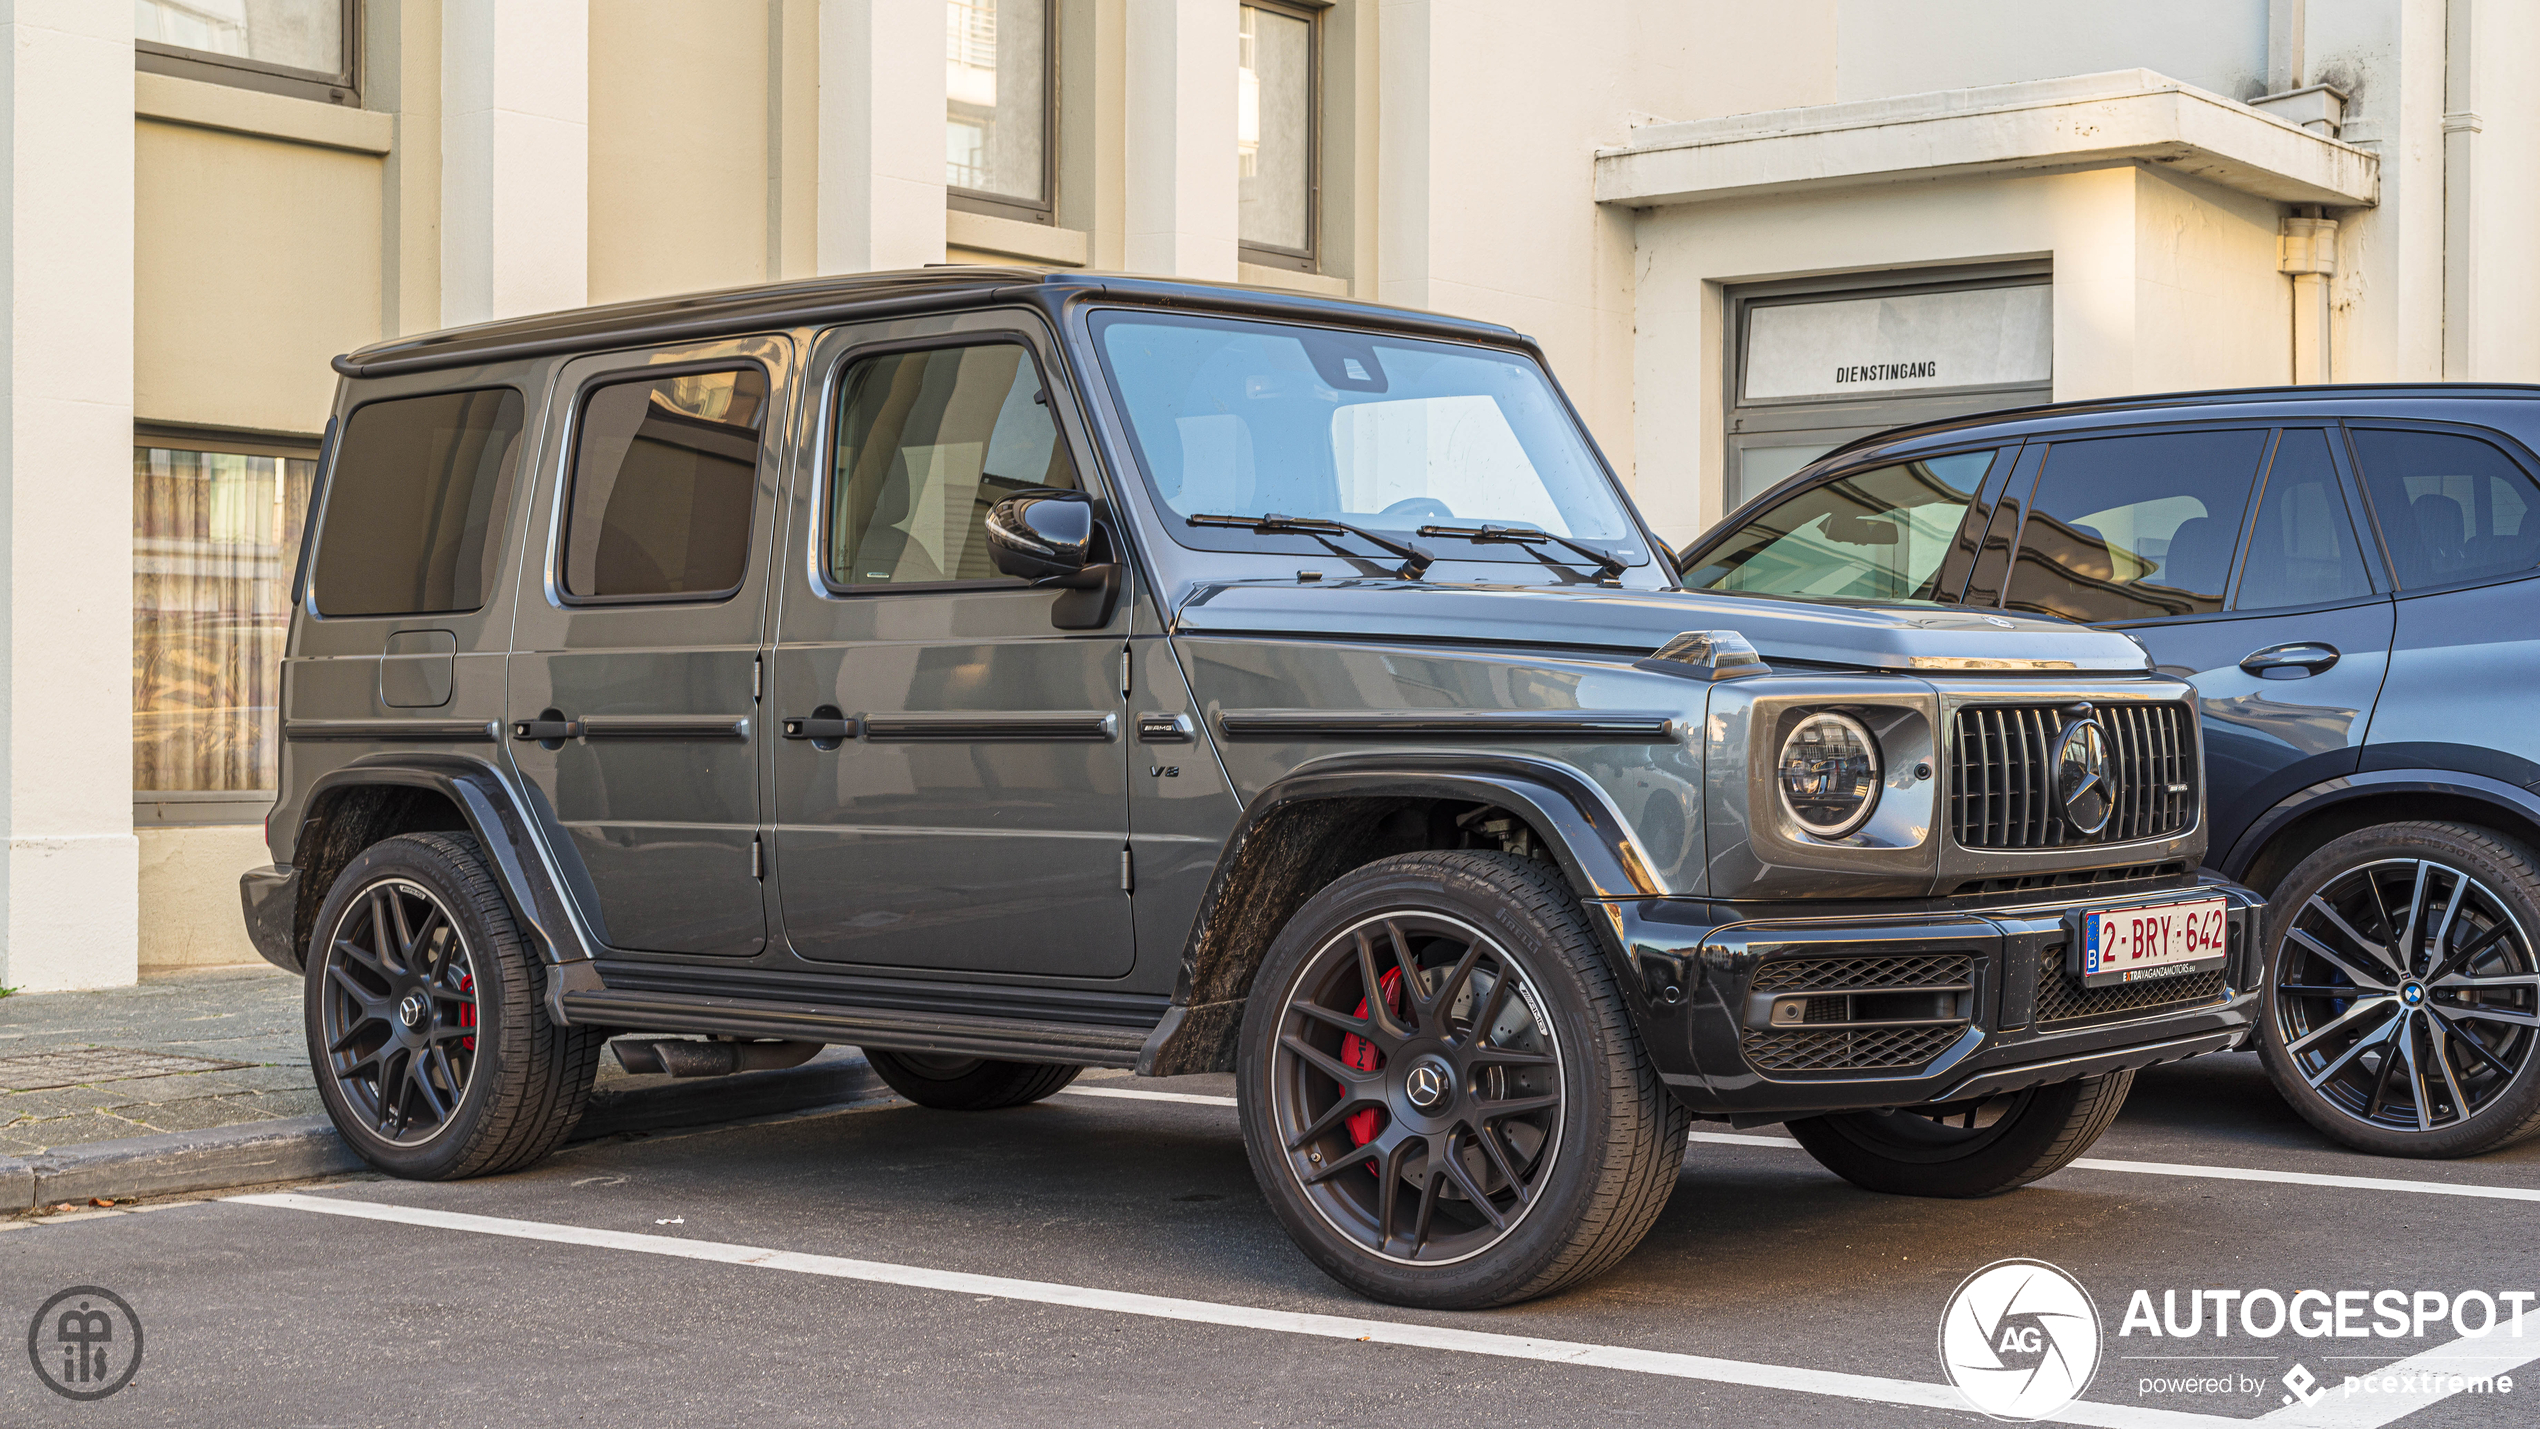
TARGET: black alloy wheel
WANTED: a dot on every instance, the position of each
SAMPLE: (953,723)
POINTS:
(433,1052)
(1976,1146)
(2403,1001)
(399,1011)
(1443,1094)
(1417,1091)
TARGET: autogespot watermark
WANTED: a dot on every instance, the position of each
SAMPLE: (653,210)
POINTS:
(85,1343)
(2021,1339)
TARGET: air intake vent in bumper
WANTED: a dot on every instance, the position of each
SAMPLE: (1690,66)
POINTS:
(1840,1015)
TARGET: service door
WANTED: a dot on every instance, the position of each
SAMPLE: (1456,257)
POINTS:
(635,658)
(966,809)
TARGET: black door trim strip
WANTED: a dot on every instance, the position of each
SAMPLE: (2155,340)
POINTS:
(463,731)
(1561,725)
(663,727)
(1054,726)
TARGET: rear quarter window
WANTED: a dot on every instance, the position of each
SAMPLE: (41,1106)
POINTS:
(415,504)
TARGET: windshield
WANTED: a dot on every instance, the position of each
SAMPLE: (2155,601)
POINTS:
(1872,535)
(1244,418)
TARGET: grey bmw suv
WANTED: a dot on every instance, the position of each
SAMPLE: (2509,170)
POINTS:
(2350,577)
(1009,673)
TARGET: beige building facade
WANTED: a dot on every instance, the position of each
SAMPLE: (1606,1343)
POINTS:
(1743,233)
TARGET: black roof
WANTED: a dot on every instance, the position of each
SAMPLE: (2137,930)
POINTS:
(862,296)
(2156,402)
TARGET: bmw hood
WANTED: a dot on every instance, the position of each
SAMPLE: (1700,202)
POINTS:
(1633,623)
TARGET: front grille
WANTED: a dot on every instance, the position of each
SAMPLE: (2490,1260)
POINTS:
(2002,775)
(1862,991)
(2062,1000)
(1860,974)
(1848,1050)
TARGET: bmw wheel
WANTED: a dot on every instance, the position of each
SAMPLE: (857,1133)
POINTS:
(1443,1096)
(2403,991)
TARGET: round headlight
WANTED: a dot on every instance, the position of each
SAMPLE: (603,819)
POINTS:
(1829,774)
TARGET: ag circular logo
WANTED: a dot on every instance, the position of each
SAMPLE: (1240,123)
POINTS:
(2020,1339)
(2081,776)
(85,1343)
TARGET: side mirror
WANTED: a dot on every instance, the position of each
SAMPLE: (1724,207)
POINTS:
(1049,537)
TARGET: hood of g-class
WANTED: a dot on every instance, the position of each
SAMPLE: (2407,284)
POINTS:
(1927,639)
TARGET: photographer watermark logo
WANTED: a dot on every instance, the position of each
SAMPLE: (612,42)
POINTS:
(2020,1339)
(85,1343)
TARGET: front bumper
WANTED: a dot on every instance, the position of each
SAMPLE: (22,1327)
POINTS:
(1991,1009)
(271,899)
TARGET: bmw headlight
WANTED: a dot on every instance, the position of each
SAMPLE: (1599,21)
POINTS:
(1828,774)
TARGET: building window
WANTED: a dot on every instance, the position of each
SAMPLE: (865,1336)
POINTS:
(296,47)
(997,106)
(215,542)
(1275,134)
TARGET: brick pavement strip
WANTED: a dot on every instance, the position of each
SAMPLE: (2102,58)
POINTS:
(257,1119)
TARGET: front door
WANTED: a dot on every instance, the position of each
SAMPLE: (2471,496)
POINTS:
(952,789)
(2234,556)
(635,657)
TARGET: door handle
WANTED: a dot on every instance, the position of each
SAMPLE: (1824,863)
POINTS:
(2289,662)
(544,730)
(816,727)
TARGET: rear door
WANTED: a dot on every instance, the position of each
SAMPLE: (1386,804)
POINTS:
(2234,556)
(634,673)
(967,808)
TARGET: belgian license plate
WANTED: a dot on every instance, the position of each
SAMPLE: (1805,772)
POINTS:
(2125,945)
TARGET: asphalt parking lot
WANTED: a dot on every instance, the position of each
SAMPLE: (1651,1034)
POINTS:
(1105,1259)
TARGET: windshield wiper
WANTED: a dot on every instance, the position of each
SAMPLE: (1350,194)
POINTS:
(1607,567)
(1416,560)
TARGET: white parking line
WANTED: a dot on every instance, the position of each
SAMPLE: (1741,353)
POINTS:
(2087,1163)
(1861,1387)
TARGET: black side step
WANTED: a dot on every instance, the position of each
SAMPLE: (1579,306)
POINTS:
(898,1030)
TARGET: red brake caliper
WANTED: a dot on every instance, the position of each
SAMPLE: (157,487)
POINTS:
(1359,1053)
(467,1014)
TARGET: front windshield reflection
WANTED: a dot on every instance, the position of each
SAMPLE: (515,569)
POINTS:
(1256,418)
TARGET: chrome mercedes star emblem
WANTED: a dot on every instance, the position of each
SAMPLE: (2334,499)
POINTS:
(2081,776)
(1997,620)
(411,1009)
(1426,1086)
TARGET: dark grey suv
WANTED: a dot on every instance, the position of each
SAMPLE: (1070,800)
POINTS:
(2350,576)
(1009,673)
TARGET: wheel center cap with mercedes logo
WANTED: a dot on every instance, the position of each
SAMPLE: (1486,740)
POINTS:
(1428,1082)
(2081,776)
(411,1010)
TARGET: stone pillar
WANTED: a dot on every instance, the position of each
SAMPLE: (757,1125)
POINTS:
(881,135)
(515,158)
(69,866)
(1180,138)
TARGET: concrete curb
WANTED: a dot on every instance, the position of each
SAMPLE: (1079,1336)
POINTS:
(297,1148)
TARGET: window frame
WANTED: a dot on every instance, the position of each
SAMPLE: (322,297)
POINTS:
(994,205)
(1307,259)
(2513,450)
(825,476)
(322,492)
(176,808)
(1949,578)
(339,86)
(2043,445)
(558,532)
(2368,552)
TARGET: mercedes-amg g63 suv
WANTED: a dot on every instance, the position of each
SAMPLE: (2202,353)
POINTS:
(1008,673)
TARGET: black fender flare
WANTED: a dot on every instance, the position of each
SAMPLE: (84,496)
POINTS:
(498,815)
(1581,829)
(2346,788)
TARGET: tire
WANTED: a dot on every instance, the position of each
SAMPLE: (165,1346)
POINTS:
(1505,1019)
(1997,1143)
(967,1083)
(431,1049)
(2408,1060)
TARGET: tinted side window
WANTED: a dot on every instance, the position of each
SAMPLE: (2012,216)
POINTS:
(663,475)
(1872,535)
(2452,508)
(2129,528)
(928,443)
(2302,547)
(415,504)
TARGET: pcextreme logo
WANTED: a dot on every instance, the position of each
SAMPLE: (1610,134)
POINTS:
(2020,1339)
